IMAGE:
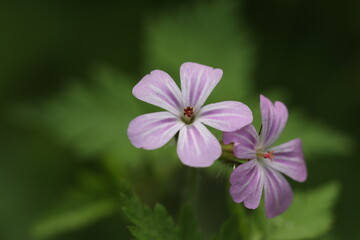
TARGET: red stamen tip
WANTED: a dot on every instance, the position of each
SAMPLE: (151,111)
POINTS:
(269,155)
(189,111)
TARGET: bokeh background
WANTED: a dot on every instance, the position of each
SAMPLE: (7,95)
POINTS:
(66,73)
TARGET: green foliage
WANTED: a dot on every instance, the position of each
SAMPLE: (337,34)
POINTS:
(229,230)
(93,119)
(187,228)
(318,139)
(77,217)
(309,216)
(210,34)
(328,236)
(81,206)
(148,223)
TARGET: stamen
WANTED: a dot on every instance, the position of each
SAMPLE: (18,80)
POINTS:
(188,112)
(269,155)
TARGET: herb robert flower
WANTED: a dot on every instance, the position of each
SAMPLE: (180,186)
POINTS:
(185,114)
(266,163)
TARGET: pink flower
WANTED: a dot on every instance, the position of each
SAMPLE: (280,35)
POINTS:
(185,113)
(266,163)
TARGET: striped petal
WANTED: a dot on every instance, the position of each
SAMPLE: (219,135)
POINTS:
(226,116)
(274,118)
(159,89)
(289,159)
(153,130)
(278,193)
(197,82)
(245,139)
(247,182)
(197,146)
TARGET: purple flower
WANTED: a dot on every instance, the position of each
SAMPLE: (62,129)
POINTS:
(197,146)
(266,163)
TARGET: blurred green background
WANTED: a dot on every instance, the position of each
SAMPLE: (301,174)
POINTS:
(66,73)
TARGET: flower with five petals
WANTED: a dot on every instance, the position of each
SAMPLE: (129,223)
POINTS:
(266,163)
(185,114)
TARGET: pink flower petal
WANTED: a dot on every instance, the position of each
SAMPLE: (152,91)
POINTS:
(197,82)
(153,130)
(197,146)
(247,182)
(274,118)
(278,193)
(159,89)
(226,116)
(289,159)
(245,139)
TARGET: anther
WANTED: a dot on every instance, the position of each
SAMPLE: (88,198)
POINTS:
(189,111)
(269,155)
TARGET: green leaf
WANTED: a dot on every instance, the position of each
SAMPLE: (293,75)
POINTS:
(148,224)
(329,236)
(318,139)
(93,118)
(229,230)
(82,205)
(210,34)
(77,217)
(309,216)
(187,227)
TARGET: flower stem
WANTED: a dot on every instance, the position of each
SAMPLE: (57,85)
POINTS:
(192,186)
(227,147)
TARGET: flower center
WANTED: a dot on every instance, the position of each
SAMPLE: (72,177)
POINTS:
(188,115)
(188,112)
(269,155)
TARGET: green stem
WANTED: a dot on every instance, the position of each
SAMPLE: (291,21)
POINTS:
(227,147)
(192,186)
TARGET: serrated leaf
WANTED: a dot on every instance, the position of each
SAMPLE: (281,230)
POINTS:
(187,227)
(309,216)
(209,34)
(148,224)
